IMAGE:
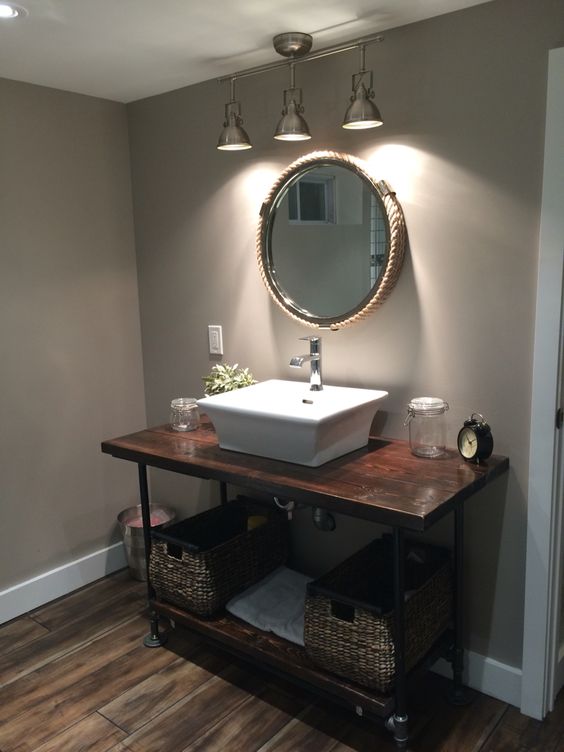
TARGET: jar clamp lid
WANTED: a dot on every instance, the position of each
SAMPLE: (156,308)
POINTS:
(183,403)
(425,406)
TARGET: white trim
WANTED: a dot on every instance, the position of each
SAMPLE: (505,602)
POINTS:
(28,595)
(553,679)
(537,650)
(487,675)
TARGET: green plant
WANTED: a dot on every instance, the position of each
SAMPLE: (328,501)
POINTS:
(225,378)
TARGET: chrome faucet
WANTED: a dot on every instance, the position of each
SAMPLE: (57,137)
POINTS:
(314,358)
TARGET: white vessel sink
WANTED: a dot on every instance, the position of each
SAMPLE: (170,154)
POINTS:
(284,420)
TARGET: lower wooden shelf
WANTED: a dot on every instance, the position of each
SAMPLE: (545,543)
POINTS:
(282,657)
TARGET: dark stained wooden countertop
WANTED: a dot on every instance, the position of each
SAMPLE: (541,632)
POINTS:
(382,482)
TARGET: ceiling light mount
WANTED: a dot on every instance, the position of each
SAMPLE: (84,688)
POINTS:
(292,44)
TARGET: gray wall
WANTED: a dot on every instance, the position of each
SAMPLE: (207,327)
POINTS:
(463,100)
(71,372)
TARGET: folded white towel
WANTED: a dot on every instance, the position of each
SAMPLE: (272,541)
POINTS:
(275,604)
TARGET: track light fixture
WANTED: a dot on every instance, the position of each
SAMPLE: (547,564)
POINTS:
(233,137)
(292,126)
(361,112)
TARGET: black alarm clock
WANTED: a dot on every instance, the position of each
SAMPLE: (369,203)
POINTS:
(475,440)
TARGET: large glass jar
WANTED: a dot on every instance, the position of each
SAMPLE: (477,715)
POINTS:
(427,426)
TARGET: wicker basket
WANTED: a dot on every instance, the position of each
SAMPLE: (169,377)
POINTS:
(349,616)
(189,570)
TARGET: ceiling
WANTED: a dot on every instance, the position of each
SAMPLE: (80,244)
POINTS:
(130,49)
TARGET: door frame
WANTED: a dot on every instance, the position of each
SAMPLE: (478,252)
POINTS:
(544,549)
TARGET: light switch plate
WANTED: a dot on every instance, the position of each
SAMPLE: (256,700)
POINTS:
(215,338)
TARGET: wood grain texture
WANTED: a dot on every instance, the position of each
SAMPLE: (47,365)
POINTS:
(382,482)
(251,724)
(93,734)
(192,716)
(505,739)
(41,686)
(70,704)
(55,644)
(157,693)
(85,604)
(315,730)
(19,632)
(465,728)
(533,735)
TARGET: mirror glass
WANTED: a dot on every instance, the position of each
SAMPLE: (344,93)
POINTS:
(325,241)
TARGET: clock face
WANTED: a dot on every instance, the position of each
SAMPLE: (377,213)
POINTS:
(467,443)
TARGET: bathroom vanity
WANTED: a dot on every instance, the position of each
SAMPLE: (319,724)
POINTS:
(382,482)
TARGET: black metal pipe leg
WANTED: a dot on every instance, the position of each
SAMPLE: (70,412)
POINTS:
(223,492)
(154,639)
(459,694)
(398,722)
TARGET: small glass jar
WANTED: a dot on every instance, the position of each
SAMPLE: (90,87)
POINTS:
(427,426)
(184,414)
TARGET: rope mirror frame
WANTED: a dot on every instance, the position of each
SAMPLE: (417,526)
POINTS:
(396,241)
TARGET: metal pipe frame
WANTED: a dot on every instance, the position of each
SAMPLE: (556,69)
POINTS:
(459,694)
(398,722)
(155,638)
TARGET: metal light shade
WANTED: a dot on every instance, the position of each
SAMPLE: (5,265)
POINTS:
(292,126)
(233,137)
(362,112)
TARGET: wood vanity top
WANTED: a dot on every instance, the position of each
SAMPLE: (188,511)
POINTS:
(382,482)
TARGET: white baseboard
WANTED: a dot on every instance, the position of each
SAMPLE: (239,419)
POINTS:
(33,593)
(487,675)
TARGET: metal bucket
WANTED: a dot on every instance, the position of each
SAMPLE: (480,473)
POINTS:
(131,523)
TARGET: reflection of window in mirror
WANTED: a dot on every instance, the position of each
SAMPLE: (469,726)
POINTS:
(312,200)
(377,241)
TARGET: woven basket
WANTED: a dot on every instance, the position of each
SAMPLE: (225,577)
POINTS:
(202,581)
(349,616)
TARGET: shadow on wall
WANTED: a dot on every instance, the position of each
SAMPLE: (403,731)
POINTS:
(487,610)
(187,495)
(492,612)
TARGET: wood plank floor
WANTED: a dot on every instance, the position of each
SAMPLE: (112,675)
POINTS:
(75,677)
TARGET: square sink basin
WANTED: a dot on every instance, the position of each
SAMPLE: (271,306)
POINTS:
(284,420)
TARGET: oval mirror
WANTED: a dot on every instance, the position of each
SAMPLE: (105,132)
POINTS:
(330,240)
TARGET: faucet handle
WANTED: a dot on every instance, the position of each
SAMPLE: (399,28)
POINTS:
(314,345)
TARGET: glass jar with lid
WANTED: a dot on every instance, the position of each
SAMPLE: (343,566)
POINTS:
(427,426)
(184,414)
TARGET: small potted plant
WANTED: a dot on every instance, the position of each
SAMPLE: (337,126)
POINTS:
(226,378)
